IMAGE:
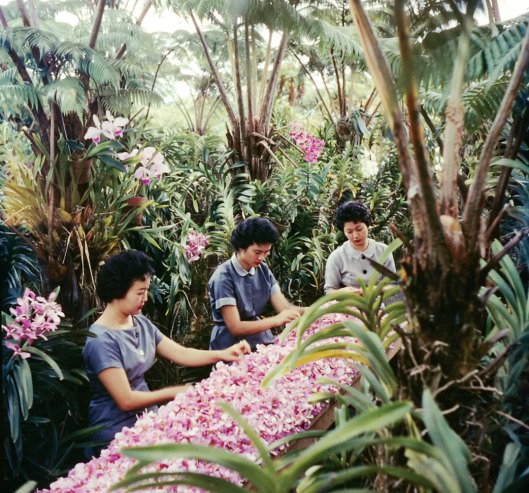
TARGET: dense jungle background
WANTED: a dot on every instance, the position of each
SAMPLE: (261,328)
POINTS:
(284,109)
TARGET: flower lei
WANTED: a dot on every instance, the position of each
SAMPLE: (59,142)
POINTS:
(194,417)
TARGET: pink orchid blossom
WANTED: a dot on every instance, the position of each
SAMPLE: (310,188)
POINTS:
(34,317)
(17,351)
(194,245)
(194,417)
(310,146)
(111,128)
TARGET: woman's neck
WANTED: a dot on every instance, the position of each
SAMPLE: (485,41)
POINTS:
(115,319)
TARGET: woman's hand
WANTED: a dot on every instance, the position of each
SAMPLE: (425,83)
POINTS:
(286,316)
(233,353)
(351,289)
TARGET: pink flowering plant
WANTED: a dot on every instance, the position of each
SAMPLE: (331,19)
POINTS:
(144,164)
(309,145)
(34,318)
(41,361)
(195,243)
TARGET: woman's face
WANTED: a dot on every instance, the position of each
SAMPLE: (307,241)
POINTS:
(356,233)
(137,295)
(254,255)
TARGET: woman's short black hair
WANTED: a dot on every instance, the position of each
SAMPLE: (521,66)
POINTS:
(120,271)
(352,211)
(254,230)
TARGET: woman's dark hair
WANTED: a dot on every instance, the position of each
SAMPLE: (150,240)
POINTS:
(254,230)
(352,211)
(120,271)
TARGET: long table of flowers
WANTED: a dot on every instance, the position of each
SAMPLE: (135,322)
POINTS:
(194,417)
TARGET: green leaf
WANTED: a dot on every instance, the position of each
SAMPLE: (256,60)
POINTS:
(245,467)
(453,447)
(41,354)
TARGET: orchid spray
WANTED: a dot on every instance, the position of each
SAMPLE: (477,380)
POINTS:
(34,318)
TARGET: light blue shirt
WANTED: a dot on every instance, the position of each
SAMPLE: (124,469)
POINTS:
(250,291)
(133,350)
(346,264)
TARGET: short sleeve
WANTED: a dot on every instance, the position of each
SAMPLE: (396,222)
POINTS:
(223,291)
(102,352)
(332,273)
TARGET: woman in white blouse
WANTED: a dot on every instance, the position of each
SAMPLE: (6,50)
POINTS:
(350,261)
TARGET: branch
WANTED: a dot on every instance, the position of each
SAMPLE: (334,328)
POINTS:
(518,130)
(266,109)
(164,57)
(436,239)
(474,204)
(97,24)
(216,75)
(383,79)
(142,15)
(454,126)
(238,85)
(318,92)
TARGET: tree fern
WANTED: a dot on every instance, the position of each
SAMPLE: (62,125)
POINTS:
(69,94)
(15,97)
(498,54)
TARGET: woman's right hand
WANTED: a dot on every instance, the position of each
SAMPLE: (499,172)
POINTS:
(286,316)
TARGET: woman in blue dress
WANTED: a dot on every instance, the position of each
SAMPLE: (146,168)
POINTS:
(126,344)
(241,288)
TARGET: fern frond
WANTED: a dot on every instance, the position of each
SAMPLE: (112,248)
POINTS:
(19,96)
(497,55)
(8,76)
(121,102)
(98,68)
(482,100)
(69,94)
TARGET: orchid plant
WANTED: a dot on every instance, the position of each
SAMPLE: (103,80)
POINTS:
(195,243)
(147,163)
(310,146)
(34,318)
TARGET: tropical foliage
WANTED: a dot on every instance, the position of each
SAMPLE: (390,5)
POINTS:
(293,108)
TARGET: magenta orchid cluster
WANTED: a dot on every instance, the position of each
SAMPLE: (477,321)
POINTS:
(152,164)
(310,146)
(194,245)
(34,318)
(111,128)
(194,417)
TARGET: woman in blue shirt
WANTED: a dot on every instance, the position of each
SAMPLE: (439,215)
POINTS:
(241,288)
(126,345)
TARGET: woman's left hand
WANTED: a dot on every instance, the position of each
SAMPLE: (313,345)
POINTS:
(233,353)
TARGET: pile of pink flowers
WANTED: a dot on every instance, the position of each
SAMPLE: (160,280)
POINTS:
(33,318)
(194,245)
(194,417)
(310,146)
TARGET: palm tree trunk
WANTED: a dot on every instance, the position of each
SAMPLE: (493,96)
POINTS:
(266,110)
(220,86)
(97,24)
(238,90)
